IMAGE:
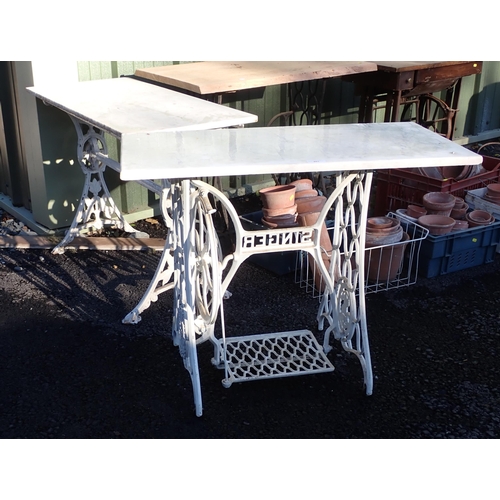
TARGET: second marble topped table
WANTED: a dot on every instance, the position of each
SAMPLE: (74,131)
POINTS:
(122,106)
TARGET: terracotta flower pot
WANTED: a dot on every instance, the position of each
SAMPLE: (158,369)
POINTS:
(415,211)
(437,224)
(383,264)
(278,223)
(285,220)
(305,193)
(438,203)
(493,190)
(376,239)
(310,204)
(459,213)
(383,231)
(273,212)
(478,218)
(379,222)
(309,219)
(278,196)
(302,185)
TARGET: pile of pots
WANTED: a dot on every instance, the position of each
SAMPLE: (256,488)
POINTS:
(296,204)
(279,208)
(492,193)
(383,264)
(289,205)
(478,218)
(443,213)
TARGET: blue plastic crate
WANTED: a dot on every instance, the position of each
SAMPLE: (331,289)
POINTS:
(458,250)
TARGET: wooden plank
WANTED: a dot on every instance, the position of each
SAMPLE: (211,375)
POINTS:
(216,77)
(82,243)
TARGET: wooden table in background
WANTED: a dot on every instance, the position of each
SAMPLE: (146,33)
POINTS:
(214,79)
(398,82)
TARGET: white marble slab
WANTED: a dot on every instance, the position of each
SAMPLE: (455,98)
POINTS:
(124,105)
(316,148)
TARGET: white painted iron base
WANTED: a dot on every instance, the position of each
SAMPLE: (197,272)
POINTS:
(96,209)
(199,286)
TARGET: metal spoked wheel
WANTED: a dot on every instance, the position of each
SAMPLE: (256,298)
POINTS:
(430,112)
(208,255)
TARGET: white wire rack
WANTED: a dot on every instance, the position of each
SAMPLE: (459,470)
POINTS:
(386,266)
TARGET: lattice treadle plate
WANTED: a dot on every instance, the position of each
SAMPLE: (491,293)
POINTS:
(274,355)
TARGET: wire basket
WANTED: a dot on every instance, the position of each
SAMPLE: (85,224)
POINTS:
(386,266)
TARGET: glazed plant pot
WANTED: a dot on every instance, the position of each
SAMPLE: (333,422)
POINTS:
(384,264)
(278,196)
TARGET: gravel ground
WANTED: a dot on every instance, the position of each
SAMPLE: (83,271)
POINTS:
(71,369)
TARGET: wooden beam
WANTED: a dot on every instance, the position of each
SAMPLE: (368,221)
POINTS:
(83,243)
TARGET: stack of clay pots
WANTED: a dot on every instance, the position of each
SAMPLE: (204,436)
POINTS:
(478,218)
(445,213)
(279,208)
(492,193)
(309,206)
(439,203)
(297,204)
(384,263)
(459,209)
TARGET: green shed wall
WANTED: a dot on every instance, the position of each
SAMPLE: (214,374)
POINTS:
(478,119)
(479,113)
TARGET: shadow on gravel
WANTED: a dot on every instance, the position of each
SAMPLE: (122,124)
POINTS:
(71,369)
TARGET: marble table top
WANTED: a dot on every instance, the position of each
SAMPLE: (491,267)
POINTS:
(125,105)
(265,150)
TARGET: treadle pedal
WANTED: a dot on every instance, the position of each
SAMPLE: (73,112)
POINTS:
(274,355)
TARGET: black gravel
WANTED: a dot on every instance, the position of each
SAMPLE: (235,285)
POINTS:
(70,369)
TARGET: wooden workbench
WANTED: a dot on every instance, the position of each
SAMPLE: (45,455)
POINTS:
(212,77)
